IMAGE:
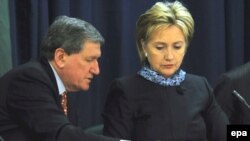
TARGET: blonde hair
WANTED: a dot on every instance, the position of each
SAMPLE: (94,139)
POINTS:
(163,14)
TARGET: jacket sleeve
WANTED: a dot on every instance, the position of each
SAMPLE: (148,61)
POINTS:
(118,113)
(224,97)
(215,118)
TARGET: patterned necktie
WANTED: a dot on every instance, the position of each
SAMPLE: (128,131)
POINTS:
(64,103)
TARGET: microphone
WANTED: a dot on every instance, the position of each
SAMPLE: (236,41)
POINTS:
(180,89)
(240,98)
(1,139)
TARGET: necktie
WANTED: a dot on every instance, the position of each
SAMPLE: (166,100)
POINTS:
(64,103)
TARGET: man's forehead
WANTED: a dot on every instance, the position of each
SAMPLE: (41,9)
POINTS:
(91,49)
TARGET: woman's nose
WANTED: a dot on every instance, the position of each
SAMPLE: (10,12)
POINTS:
(168,54)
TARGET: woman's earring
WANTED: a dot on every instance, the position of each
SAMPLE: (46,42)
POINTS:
(146,54)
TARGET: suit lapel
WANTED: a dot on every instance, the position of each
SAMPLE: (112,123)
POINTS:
(46,66)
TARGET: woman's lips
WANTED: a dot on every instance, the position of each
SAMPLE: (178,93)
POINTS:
(168,66)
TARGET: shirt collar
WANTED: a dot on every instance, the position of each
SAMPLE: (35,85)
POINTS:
(153,76)
(60,85)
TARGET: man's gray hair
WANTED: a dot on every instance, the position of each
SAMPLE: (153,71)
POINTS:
(69,34)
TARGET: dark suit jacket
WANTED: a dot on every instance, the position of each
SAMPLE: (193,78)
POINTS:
(30,109)
(237,79)
(141,110)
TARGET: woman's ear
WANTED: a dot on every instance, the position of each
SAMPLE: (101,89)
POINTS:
(143,45)
(60,57)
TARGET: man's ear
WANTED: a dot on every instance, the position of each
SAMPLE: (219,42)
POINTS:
(60,57)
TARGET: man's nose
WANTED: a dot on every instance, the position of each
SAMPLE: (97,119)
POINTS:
(95,68)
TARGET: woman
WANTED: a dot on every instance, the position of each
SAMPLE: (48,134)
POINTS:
(163,102)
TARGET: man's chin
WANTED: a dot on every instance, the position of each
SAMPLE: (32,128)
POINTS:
(77,89)
(85,88)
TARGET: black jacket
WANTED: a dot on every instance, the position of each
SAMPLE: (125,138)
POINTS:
(237,79)
(30,107)
(141,110)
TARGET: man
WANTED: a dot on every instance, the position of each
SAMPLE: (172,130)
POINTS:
(237,80)
(30,106)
